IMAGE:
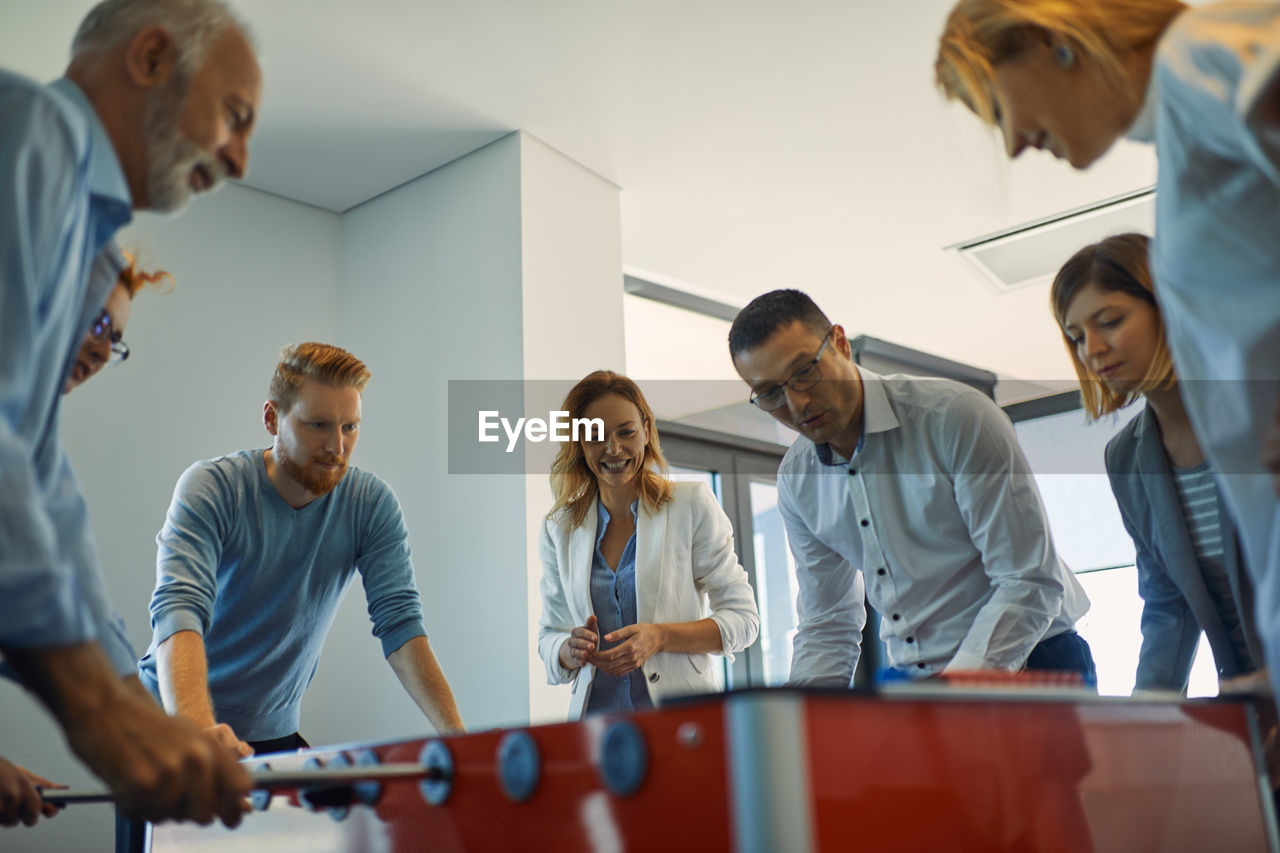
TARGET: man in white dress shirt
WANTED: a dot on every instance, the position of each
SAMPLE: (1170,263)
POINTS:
(914,489)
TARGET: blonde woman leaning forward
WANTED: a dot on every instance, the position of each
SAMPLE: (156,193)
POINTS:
(640,584)
(1202,84)
(1190,574)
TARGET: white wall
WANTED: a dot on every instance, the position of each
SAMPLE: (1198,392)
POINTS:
(252,272)
(474,271)
(430,278)
(573,324)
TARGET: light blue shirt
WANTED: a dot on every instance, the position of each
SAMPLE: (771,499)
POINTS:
(62,196)
(261,582)
(613,598)
(938,516)
(1212,111)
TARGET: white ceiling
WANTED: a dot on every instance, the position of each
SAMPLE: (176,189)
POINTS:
(757,144)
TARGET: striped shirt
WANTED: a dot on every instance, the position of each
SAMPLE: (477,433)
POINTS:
(1198,495)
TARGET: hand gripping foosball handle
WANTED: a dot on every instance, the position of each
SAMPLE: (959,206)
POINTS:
(275,780)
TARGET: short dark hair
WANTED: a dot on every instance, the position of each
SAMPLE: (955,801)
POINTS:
(769,312)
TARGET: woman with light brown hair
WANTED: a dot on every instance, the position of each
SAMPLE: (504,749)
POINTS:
(640,583)
(1203,84)
(1190,574)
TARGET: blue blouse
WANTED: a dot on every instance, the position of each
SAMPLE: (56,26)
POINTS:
(613,598)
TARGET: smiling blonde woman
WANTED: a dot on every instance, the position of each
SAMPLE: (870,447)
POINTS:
(640,582)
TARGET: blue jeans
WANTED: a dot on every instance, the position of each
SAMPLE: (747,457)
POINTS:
(1067,652)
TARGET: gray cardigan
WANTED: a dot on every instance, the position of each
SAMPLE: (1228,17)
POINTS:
(1176,603)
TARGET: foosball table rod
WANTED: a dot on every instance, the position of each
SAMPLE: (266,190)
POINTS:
(273,780)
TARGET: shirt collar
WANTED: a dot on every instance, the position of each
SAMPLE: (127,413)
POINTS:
(103,275)
(604,517)
(877,416)
(1143,128)
(107,184)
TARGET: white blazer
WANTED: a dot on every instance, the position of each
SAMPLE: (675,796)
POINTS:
(686,570)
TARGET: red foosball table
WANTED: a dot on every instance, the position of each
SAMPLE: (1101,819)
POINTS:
(783,771)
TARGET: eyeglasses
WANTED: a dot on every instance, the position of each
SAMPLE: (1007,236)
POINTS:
(101,332)
(803,379)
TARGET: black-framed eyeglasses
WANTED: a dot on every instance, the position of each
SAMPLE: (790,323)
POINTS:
(102,332)
(804,378)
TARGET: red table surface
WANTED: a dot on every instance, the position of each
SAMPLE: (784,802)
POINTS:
(884,774)
(974,776)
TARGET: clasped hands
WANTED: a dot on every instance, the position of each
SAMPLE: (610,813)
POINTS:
(635,645)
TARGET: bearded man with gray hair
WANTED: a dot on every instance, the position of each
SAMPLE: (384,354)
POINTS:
(157,104)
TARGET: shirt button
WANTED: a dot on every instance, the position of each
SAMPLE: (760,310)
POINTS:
(865,523)
(920,665)
(897,616)
(853,470)
(880,571)
(911,639)
(653,676)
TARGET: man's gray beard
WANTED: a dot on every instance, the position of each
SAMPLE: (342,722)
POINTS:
(171,157)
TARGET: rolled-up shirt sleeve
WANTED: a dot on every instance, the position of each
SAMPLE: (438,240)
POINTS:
(188,549)
(79,552)
(42,595)
(386,570)
(46,598)
(996,493)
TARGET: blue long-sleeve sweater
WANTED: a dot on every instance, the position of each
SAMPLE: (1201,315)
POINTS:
(261,582)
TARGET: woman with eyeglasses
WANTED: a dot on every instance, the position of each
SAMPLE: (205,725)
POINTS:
(640,583)
(1190,574)
(103,344)
(1203,84)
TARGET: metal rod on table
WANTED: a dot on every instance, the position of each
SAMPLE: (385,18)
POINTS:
(273,779)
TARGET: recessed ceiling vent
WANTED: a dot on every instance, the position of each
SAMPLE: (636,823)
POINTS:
(1031,254)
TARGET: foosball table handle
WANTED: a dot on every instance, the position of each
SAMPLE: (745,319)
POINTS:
(315,780)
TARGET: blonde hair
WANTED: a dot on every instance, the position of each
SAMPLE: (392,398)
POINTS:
(314,362)
(572,482)
(980,34)
(1117,263)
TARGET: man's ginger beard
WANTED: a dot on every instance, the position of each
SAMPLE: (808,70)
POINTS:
(315,483)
